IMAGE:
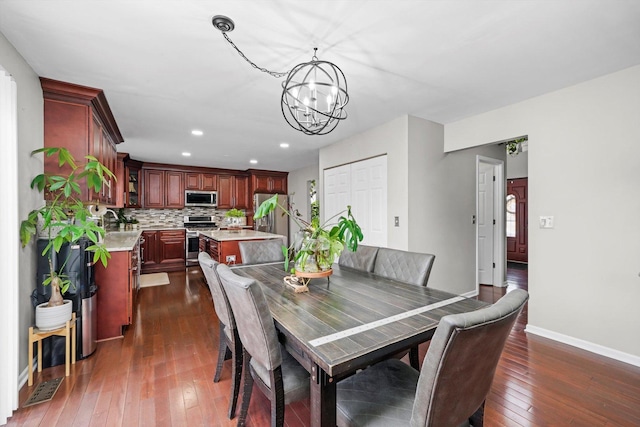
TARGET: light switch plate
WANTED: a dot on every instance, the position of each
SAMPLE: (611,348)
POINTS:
(396,221)
(546,222)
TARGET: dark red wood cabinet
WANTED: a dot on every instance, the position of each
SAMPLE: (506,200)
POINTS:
(163,189)
(79,119)
(163,250)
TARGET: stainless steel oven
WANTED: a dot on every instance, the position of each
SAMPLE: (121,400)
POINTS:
(193,224)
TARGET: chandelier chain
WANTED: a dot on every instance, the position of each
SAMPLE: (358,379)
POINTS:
(264,70)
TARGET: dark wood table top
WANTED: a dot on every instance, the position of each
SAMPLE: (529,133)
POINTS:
(354,319)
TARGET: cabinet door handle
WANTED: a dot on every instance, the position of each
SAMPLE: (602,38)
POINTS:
(142,256)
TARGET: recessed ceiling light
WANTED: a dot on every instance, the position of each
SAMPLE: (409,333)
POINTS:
(284,145)
(186,154)
(253,161)
(197,132)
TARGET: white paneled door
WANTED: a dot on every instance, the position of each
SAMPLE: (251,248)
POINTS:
(365,190)
(337,187)
(485,224)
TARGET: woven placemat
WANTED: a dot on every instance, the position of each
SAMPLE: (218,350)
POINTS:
(43,392)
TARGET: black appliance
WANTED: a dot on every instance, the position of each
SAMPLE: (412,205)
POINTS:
(193,224)
(82,292)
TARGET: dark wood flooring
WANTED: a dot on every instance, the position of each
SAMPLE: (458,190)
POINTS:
(161,374)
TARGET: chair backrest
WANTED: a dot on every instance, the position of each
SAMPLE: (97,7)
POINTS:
(362,259)
(220,302)
(461,361)
(253,318)
(261,251)
(404,266)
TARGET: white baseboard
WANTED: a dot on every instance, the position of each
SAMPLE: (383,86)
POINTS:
(585,345)
(24,375)
(470,294)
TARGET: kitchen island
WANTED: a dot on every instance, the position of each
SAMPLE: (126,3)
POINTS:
(222,245)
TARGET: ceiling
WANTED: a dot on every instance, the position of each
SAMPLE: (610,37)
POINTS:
(166,71)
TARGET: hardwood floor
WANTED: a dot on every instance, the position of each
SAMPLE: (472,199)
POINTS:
(161,374)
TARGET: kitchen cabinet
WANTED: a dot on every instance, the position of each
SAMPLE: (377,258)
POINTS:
(163,250)
(148,250)
(117,288)
(226,252)
(163,189)
(79,119)
(200,181)
(268,182)
(233,191)
(129,178)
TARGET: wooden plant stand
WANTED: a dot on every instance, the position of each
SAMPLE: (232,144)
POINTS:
(36,335)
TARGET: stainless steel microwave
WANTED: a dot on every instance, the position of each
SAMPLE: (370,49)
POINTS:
(201,198)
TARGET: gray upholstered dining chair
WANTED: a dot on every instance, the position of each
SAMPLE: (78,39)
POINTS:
(230,346)
(261,251)
(278,375)
(454,382)
(362,259)
(408,267)
(404,266)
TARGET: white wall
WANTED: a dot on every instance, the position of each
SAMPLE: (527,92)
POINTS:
(518,166)
(30,137)
(298,194)
(433,193)
(391,139)
(442,204)
(584,169)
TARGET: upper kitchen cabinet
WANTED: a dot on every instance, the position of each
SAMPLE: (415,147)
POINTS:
(79,119)
(233,191)
(200,181)
(163,189)
(268,182)
(128,186)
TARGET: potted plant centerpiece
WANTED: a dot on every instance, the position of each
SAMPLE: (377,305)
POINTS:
(322,244)
(122,219)
(64,219)
(235,219)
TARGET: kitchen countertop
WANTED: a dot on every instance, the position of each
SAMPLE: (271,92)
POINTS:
(225,235)
(116,241)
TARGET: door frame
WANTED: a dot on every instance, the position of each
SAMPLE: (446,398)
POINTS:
(499,233)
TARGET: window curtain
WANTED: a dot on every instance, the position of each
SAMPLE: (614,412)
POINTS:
(9,246)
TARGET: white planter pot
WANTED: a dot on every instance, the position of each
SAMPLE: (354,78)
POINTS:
(49,318)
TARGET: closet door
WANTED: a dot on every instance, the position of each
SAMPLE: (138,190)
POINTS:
(337,191)
(369,199)
(363,185)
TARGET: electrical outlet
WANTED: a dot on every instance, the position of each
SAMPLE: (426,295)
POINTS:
(231,259)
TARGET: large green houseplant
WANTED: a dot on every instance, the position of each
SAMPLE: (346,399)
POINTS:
(323,243)
(65,218)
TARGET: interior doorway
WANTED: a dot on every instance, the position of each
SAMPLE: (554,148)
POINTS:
(489,221)
(517,220)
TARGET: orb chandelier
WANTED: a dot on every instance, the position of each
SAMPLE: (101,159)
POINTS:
(314,93)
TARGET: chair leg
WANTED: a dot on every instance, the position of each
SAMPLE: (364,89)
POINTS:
(236,376)
(414,358)
(223,349)
(477,419)
(247,388)
(277,398)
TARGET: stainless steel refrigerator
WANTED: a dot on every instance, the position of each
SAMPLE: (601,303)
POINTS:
(276,222)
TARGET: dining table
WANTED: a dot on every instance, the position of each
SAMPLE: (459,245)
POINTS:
(349,321)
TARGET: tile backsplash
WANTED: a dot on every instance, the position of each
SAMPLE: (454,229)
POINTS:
(149,218)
